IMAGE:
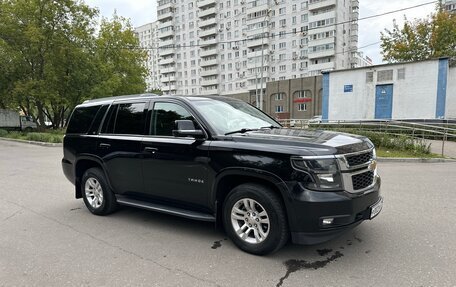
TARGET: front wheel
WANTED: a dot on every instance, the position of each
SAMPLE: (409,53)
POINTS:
(98,197)
(254,219)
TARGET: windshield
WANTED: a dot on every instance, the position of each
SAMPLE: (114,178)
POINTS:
(232,116)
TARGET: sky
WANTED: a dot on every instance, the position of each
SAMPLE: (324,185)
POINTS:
(144,11)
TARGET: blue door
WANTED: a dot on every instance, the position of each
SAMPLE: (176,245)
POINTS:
(384,102)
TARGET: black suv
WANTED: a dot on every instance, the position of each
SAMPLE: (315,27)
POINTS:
(222,160)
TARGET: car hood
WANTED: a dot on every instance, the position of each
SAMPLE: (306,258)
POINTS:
(306,142)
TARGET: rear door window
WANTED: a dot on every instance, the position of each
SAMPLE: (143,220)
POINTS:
(82,119)
(127,119)
(130,119)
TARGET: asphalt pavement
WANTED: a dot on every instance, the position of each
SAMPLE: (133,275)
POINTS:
(48,238)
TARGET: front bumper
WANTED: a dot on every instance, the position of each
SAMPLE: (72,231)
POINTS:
(307,209)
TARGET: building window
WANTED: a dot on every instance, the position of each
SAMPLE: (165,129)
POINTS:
(302,107)
(279,96)
(385,75)
(302,94)
(401,74)
(369,77)
(279,109)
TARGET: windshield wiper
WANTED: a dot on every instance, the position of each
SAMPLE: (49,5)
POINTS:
(241,131)
(270,127)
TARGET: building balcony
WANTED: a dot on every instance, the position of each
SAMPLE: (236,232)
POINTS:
(166,34)
(209,82)
(168,88)
(207,42)
(354,38)
(209,92)
(323,16)
(354,26)
(354,15)
(207,73)
(166,80)
(167,5)
(208,52)
(167,51)
(207,22)
(166,61)
(258,8)
(166,43)
(205,3)
(252,86)
(322,66)
(207,63)
(168,70)
(163,17)
(321,54)
(318,42)
(207,12)
(208,32)
(257,64)
(321,4)
(257,42)
(355,3)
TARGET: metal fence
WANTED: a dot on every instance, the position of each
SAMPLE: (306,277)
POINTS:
(442,131)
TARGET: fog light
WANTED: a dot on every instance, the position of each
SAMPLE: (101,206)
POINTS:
(328,221)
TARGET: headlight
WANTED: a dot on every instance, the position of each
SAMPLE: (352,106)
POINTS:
(324,172)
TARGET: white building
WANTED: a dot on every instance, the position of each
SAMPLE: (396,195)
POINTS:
(450,5)
(220,46)
(415,90)
(148,39)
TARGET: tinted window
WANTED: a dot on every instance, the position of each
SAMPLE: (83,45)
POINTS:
(82,119)
(130,119)
(97,121)
(164,116)
(108,124)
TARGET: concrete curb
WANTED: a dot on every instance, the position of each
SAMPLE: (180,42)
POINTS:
(415,160)
(379,159)
(32,142)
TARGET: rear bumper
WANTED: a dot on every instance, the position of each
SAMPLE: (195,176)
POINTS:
(67,168)
(307,210)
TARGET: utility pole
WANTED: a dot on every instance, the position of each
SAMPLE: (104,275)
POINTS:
(266,19)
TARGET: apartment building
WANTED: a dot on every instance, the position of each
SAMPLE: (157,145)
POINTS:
(450,5)
(148,39)
(236,46)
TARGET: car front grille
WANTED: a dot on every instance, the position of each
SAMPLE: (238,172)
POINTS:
(362,180)
(359,159)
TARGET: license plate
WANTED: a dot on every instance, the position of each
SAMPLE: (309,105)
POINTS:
(376,208)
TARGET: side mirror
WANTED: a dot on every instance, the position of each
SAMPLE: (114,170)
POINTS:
(186,128)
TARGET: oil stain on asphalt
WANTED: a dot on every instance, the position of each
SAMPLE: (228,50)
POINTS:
(218,243)
(294,265)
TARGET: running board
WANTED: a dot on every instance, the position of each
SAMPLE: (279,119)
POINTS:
(165,209)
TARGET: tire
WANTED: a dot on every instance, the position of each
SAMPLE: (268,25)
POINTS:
(264,228)
(98,197)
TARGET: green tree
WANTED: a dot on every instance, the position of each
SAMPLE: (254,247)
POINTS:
(420,39)
(120,62)
(52,57)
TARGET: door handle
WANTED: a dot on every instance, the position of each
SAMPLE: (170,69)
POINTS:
(150,149)
(104,145)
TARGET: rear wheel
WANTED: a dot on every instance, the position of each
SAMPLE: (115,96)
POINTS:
(254,219)
(97,195)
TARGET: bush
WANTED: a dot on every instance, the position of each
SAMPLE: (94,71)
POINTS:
(44,137)
(395,142)
(3,133)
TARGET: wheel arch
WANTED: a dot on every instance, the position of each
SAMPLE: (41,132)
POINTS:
(232,177)
(82,164)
